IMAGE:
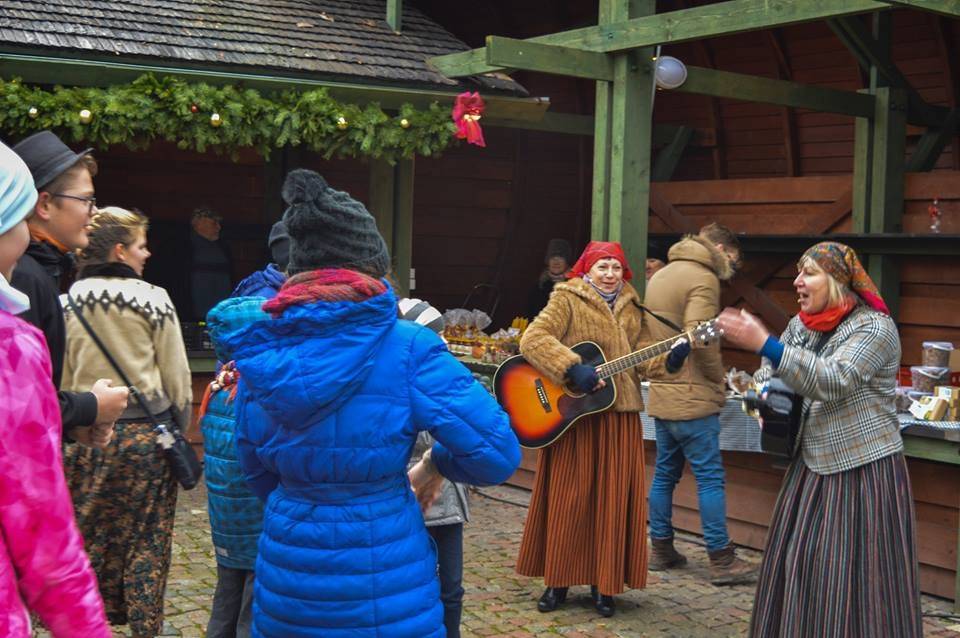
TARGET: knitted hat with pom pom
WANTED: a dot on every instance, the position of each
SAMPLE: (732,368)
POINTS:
(330,229)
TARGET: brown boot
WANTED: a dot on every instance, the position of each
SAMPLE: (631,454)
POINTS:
(664,556)
(727,569)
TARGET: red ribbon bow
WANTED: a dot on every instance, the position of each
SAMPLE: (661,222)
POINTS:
(467,110)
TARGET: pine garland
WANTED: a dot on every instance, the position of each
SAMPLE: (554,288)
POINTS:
(174,110)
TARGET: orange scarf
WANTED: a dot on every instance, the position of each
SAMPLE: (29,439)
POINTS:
(38,235)
(829,318)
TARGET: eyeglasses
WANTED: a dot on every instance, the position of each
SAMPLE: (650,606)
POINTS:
(91,201)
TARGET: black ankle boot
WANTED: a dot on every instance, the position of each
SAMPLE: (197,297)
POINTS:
(604,605)
(552,598)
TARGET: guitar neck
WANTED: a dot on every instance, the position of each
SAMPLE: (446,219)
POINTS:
(632,360)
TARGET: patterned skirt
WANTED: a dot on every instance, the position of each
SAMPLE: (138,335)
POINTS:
(587,523)
(841,556)
(125,499)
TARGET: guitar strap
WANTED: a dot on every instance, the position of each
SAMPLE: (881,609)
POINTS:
(662,320)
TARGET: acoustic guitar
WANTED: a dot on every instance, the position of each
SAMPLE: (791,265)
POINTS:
(541,411)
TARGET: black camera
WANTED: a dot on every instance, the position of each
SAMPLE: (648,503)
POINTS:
(779,410)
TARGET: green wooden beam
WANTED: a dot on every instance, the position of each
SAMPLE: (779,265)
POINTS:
(695,23)
(950,8)
(548,58)
(889,150)
(569,123)
(631,135)
(395,14)
(751,88)
(381,198)
(403,223)
(608,11)
(887,186)
(874,56)
(862,166)
(95,71)
(931,145)
(575,124)
(669,156)
(274,172)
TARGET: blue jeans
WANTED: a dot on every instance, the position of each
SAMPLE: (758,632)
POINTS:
(449,541)
(697,441)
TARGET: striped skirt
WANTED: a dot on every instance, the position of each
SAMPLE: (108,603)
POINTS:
(588,511)
(841,556)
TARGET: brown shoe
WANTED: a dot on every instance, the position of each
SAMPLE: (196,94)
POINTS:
(727,569)
(664,556)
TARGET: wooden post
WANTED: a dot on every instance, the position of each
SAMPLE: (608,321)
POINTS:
(886,192)
(631,133)
(862,165)
(382,200)
(669,156)
(395,14)
(403,224)
(600,204)
(273,176)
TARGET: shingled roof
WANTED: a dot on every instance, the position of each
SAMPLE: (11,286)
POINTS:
(347,40)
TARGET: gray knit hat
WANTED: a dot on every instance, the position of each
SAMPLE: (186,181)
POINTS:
(279,244)
(559,248)
(330,229)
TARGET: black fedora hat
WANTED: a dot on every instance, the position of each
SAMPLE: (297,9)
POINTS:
(47,156)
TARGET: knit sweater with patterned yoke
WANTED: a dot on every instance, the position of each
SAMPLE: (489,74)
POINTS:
(138,324)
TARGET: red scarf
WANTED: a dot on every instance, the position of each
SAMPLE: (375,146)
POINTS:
(329,284)
(828,318)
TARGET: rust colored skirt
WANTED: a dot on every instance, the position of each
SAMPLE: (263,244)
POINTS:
(587,523)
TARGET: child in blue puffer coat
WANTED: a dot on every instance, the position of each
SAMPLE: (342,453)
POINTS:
(236,514)
(333,392)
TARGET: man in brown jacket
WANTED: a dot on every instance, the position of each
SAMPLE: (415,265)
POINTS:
(686,405)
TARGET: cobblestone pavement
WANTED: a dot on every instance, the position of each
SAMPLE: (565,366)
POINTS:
(499,603)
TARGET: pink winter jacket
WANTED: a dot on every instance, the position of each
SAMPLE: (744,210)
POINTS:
(43,567)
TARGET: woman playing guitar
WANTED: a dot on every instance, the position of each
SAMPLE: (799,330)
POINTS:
(587,519)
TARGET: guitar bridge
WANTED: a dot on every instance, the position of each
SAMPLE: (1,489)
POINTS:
(542,396)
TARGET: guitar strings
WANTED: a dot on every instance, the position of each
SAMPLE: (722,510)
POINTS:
(621,364)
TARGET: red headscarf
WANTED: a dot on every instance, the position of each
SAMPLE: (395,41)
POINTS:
(594,252)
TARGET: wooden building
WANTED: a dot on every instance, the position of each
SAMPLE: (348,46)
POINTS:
(784,170)
(778,171)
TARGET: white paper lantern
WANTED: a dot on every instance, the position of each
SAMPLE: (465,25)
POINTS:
(670,72)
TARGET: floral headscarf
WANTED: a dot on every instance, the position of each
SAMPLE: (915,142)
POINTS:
(841,262)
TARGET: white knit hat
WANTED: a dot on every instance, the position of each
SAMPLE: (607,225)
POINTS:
(421,312)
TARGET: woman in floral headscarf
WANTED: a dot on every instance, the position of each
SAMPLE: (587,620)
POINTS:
(587,518)
(841,551)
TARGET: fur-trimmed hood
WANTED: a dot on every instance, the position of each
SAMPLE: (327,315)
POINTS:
(701,250)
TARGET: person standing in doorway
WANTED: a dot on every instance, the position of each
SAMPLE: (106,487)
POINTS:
(210,271)
(686,406)
(556,265)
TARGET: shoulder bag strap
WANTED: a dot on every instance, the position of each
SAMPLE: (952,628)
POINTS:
(113,362)
(662,320)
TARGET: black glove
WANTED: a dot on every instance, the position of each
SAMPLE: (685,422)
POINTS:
(678,354)
(583,378)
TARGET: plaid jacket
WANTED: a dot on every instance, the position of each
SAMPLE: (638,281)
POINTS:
(849,389)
